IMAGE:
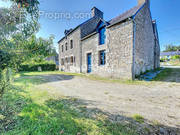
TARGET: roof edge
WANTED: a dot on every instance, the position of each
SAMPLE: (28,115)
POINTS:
(89,35)
(132,16)
(68,34)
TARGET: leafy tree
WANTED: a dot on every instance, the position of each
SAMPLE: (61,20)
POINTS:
(18,43)
(170,48)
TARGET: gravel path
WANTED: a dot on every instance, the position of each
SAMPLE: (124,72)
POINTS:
(158,102)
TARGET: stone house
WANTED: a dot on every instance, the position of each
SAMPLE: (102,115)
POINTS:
(123,47)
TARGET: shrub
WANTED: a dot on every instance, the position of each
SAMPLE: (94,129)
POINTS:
(163,59)
(138,118)
(176,57)
(44,67)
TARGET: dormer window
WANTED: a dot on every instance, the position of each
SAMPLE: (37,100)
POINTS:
(102,36)
(101,28)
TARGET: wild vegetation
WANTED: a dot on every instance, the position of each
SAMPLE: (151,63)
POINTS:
(18,43)
(25,109)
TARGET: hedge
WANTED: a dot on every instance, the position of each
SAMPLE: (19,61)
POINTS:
(44,67)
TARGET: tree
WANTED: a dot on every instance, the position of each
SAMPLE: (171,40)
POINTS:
(170,48)
(18,43)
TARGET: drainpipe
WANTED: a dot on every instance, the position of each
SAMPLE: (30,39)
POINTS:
(134,45)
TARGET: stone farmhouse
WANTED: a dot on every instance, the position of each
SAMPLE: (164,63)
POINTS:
(123,47)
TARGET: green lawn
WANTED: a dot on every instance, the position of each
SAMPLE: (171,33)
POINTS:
(26,110)
(91,77)
(164,74)
(171,62)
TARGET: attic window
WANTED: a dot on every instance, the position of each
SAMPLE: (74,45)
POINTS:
(102,35)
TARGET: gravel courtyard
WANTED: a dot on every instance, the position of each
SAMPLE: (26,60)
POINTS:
(156,101)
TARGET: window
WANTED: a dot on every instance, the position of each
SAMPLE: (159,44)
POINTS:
(66,60)
(72,60)
(71,42)
(102,35)
(62,48)
(62,62)
(66,46)
(102,57)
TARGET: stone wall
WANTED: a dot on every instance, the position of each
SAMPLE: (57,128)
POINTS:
(91,45)
(144,42)
(118,46)
(75,52)
(123,58)
(157,48)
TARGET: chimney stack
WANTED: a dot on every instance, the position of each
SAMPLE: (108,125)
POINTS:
(96,13)
(140,2)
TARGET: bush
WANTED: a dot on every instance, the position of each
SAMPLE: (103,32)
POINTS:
(175,57)
(44,67)
(5,79)
(163,59)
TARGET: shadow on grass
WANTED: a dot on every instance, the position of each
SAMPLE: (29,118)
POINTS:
(23,116)
(67,116)
(42,78)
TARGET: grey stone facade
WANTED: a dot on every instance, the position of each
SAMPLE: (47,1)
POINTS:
(65,56)
(131,44)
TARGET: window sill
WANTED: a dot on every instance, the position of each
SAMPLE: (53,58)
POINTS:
(101,44)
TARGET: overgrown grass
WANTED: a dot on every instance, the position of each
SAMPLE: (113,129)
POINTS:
(164,74)
(138,118)
(26,110)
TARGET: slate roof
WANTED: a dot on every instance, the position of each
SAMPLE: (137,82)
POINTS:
(124,16)
(170,53)
(90,25)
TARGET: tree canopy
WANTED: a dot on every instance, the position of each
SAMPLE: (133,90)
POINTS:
(170,48)
(18,41)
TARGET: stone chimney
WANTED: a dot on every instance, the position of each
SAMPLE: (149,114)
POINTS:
(140,2)
(96,12)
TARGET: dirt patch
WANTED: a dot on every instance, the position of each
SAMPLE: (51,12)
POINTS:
(158,103)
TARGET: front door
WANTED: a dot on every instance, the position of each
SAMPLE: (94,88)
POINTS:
(89,62)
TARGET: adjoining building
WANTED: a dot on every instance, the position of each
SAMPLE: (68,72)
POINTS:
(123,47)
(168,55)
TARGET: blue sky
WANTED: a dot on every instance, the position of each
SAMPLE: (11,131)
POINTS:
(166,12)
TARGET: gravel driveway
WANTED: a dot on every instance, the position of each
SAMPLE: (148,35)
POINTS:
(159,101)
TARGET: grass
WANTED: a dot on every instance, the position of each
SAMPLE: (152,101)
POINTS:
(175,62)
(26,110)
(138,118)
(91,77)
(164,74)
(172,63)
